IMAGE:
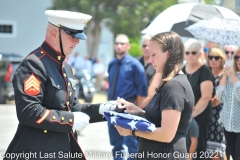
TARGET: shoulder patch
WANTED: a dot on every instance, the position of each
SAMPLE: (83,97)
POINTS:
(32,85)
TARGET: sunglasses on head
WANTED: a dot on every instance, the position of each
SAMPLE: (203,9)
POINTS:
(227,52)
(236,58)
(121,43)
(193,53)
(215,57)
(144,45)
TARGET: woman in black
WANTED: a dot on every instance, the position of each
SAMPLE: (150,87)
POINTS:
(170,109)
(201,80)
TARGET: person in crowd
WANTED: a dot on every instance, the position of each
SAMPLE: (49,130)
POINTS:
(201,80)
(76,61)
(192,139)
(150,71)
(98,70)
(47,108)
(126,79)
(202,58)
(228,93)
(229,50)
(216,144)
(153,78)
(87,64)
(171,108)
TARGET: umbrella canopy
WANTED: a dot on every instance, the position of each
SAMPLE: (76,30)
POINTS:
(177,17)
(219,30)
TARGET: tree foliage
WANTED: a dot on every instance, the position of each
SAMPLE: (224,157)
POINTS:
(126,16)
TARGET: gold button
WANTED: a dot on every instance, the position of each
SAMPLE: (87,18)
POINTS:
(67,102)
(62,118)
(53,117)
(68,83)
(70,93)
(42,52)
(59,58)
(70,120)
(74,88)
(64,74)
(45,131)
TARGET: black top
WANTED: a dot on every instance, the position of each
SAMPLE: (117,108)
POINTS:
(176,94)
(195,79)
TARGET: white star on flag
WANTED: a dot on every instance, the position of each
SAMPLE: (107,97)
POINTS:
(113,119)
(133,124)
(152,127)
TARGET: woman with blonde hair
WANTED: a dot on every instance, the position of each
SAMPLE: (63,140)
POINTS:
(216,144)
(228,92)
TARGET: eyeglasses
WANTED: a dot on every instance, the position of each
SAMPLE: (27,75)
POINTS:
(193,53)
(236,58)
(215,57)
(226,52)
(144,45)
(121,43)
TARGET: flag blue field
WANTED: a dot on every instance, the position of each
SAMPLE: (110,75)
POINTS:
(129,121)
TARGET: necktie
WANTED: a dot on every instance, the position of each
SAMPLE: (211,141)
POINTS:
(114,81)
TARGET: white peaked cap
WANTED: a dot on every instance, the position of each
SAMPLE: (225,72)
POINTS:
(71,20)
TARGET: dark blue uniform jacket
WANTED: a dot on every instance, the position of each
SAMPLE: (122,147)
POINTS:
(45,97)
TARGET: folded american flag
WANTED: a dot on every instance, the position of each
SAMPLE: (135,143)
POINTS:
(129,121)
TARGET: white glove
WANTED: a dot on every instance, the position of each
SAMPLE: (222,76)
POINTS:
(108,106)
(81,120)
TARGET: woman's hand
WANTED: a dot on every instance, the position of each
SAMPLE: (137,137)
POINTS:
(123,131)
(130,107)
(231,74)
(228,71)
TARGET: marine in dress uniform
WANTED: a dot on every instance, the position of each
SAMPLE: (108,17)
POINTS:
(45,98)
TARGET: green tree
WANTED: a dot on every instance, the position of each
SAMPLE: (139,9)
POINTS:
(126,16)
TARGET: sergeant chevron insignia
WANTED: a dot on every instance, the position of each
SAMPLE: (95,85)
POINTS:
(32,85)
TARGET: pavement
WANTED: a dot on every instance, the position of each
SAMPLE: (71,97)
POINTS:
(93,140)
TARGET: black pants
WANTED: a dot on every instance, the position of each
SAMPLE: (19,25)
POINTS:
(233,144)
(203,124)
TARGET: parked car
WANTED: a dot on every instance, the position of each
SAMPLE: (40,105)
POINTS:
(8,65)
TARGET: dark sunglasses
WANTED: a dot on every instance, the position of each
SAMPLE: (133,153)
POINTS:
(226,52)
(193,53)
(236,58)
(144,45)
(121,43)
(215,57)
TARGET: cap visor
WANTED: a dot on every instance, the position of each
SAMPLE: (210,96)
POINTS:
(81,36)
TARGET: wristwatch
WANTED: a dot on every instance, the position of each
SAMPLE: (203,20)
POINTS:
(133,133)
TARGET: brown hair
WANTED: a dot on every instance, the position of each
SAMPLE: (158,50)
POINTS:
(217,51)
(172,42)
(234,62)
